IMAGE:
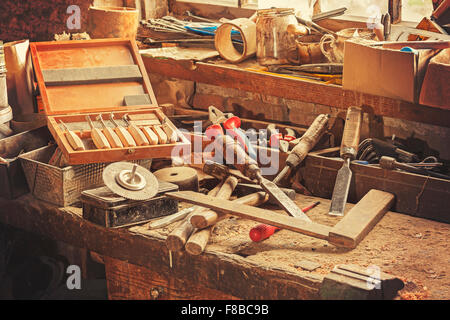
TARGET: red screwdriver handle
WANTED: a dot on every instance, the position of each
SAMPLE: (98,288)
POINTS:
(264,231)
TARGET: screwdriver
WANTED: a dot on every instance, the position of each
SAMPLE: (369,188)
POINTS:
(109,133)
(138,135)
(74,140)
(264,231)
(124,135)
(97,136)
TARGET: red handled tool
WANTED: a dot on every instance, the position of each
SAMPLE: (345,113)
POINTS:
(232,126)
(264,231)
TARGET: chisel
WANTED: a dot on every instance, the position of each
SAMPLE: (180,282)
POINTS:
(97,136)
(172,135)
(138,135)
(109,133)
(162,136)
(349,149)
(73,139)
(124,135)
(151,135)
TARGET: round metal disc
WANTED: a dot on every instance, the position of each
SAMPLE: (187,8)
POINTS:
(120,170)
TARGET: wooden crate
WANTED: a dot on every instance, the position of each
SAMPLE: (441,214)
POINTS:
(80,78)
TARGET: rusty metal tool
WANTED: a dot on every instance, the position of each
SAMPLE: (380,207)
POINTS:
(124,135)
(109,133)
(304,145)
(390,163)
(130,181)
(264,231)
(73,139)
(97,136)
(348,152)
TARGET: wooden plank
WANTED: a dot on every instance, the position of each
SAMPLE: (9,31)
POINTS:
(131,282)
(248,212)
(74,76)
(361,219)
(296,89)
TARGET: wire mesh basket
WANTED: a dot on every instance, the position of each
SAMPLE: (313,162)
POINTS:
(62,186)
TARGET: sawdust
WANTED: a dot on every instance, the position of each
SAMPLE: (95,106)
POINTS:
(413,249)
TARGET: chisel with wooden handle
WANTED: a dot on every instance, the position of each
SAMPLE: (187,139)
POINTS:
(151,135)
(176,239)
(73,139)
(349,149)
(198,241)
(172,135)
(97,136)
(109,133)
(162,136)
(136,133)
(124,135)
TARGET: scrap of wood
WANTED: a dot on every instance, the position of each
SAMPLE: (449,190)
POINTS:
(347,233)
(358,222)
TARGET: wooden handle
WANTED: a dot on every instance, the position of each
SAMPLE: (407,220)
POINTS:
(99,139)
(112,137)
(151,135)
(198,241)
(209,217)
(176,240)
(161,134)
(125,137)
(308,140)
(172,135)
(352,131)
(138,135)
(74,141)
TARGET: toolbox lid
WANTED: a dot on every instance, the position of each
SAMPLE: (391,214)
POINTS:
(91,76)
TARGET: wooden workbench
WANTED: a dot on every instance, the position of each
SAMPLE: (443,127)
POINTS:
(138,265)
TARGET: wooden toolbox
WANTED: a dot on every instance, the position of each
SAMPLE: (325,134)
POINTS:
(101,77)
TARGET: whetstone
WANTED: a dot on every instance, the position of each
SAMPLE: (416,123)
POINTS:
(92,75)
(358,222)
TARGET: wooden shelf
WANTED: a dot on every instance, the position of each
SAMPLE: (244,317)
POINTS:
(296,89)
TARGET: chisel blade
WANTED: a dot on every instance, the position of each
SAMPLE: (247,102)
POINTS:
(283,200)
(340,191)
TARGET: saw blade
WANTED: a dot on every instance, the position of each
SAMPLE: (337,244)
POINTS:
(114,171)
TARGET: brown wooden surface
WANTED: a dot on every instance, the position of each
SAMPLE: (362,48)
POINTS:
(330,95)
(401,245)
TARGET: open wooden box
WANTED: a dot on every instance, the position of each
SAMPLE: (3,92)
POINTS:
(92,77)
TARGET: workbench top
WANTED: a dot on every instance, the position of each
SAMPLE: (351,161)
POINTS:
(413,249)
